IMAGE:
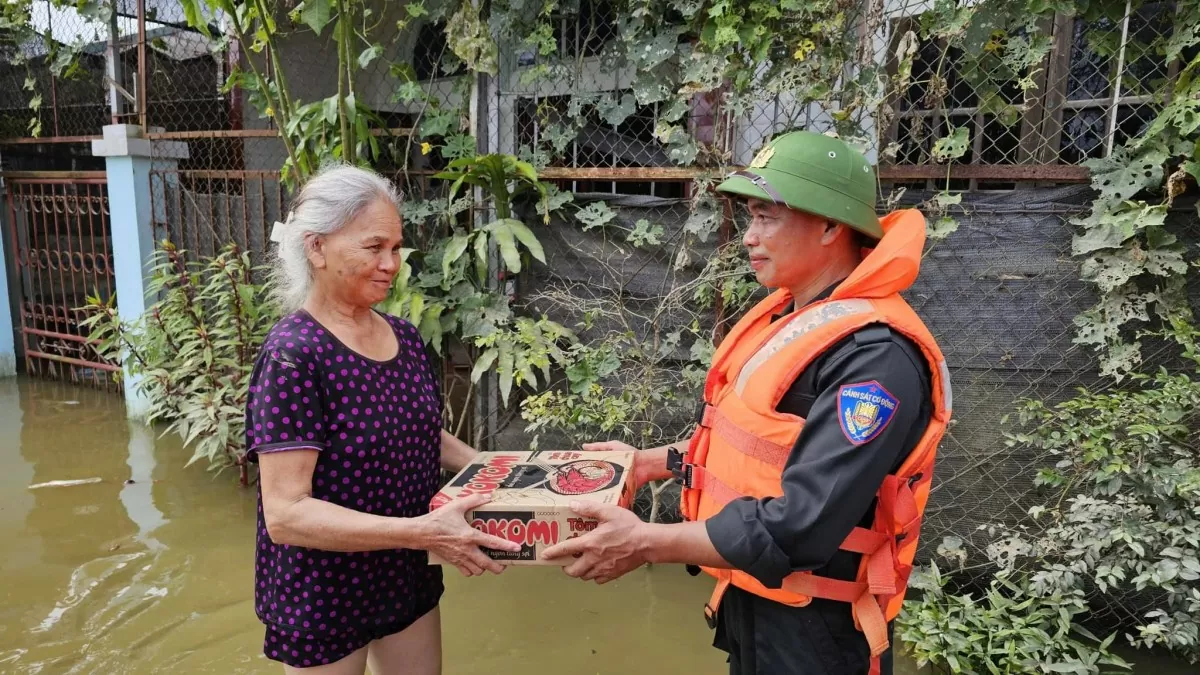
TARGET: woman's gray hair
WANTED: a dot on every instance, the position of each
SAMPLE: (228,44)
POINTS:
(327,202)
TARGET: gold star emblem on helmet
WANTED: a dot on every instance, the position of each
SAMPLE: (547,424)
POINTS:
(763,156)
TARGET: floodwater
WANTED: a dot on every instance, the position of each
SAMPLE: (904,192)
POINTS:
(149,569)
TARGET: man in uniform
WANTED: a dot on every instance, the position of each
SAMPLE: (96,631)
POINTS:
(806,477)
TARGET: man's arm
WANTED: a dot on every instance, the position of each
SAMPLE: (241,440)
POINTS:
(623,542)
(649,464)
(834,470)
(828,484)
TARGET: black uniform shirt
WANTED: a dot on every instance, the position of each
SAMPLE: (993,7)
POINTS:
(829,483)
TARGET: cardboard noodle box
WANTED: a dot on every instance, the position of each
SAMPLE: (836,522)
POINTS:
(531,495)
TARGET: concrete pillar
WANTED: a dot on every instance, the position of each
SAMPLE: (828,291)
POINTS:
(127,156)
(8,344)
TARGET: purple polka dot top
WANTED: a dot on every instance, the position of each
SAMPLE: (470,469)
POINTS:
(377,427)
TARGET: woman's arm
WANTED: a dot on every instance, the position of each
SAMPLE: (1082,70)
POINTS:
(295,518)
(455,453)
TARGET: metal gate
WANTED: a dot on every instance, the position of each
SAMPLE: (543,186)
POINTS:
(61,236)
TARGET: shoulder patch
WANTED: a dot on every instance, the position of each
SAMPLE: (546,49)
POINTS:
(864,410)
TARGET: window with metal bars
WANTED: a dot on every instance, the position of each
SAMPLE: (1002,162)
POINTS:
(542,121)
(1093,92)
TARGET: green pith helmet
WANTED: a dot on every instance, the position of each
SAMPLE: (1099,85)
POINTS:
(814,173)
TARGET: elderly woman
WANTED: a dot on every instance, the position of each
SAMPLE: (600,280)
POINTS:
(344,420)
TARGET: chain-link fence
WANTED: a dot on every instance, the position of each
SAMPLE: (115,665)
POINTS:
(1094,87)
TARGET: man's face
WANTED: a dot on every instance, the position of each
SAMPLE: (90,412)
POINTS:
(786,247)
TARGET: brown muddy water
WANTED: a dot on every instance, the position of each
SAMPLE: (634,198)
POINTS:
(149,570)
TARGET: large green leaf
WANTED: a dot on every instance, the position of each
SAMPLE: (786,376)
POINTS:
(481,258)
(405,273)
(1111,229)
(417,309)
(368,55)
(502,232)
(483,363)
(596,214)
(527,238)
(526,169)
(463,162)
(470,40)
(1125,173)
(195,19)
(505,371)
(431,326)
(351,108)
(458,146)
(953,146)
(439,123)
(330,109)
(615,111)
(454,250)
(316,14)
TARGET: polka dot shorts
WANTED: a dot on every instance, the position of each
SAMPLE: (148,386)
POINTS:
(305,650)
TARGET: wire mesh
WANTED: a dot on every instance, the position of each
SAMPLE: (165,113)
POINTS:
(1092,91)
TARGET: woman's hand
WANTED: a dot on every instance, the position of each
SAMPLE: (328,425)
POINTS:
(445,531)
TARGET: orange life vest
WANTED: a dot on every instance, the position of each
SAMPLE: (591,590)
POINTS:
(742,443)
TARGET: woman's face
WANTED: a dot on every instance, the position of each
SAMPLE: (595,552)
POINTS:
(357,263)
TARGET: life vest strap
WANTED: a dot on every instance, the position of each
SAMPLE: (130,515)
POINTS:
(773,454)
(860,540)
(867,610)
(724,577)
(700,478)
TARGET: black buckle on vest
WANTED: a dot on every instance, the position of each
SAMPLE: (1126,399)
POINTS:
(679,468)
(710,616)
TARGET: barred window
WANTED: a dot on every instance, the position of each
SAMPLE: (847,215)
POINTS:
(1092,92)
(542,121)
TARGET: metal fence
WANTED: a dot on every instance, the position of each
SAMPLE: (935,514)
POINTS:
(60,235)
(1000,294)
(1092,90)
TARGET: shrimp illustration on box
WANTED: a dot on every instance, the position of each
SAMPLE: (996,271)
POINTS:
(531,495)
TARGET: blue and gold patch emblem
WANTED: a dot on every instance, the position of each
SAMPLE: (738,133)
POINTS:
(864,410)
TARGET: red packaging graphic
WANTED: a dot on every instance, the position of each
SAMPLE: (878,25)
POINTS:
(531,495)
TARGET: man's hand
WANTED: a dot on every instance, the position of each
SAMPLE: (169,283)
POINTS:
(648,465)
(608,552)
